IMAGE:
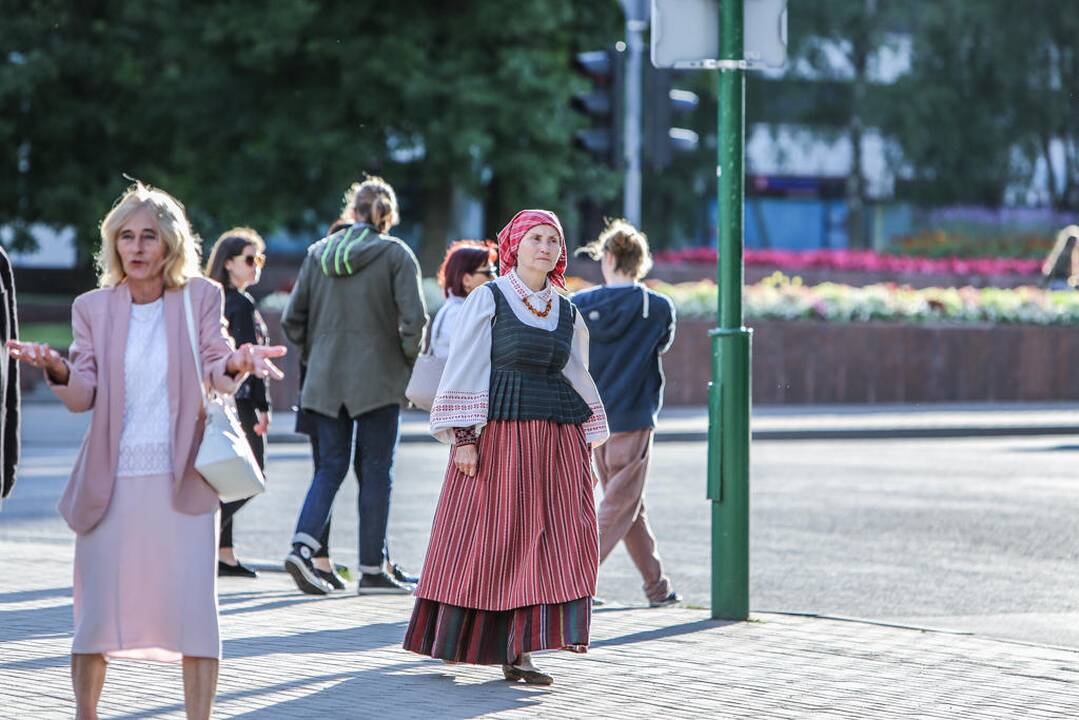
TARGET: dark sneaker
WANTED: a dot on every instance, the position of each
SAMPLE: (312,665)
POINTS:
(332,578)
(401,576)
(672,599)
(381,584)
(237,570)
(298,564)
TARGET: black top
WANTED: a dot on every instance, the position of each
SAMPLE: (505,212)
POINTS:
(526,368)
(9,380)
(246,326)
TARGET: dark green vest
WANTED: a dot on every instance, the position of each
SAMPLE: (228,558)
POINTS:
(526,367)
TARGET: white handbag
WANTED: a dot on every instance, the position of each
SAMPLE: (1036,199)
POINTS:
(426,374)
(224,459)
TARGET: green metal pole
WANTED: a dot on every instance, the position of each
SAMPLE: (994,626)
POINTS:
(729,392)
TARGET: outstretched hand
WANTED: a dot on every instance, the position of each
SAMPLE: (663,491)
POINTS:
(39,355)
(255,359)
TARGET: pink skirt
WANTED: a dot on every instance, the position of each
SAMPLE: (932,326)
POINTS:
(146,578)
(522,532)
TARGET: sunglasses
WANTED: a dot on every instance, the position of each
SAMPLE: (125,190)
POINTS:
(253,260)
(488,271)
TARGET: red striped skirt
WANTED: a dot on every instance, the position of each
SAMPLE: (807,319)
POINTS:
(522,532)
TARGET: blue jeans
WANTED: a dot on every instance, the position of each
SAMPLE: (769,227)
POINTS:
(377,433)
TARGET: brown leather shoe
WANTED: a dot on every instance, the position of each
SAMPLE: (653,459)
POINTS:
(531,677)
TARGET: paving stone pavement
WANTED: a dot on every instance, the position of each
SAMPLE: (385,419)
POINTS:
(293,656)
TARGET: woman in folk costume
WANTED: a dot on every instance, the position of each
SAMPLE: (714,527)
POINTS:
(512,561)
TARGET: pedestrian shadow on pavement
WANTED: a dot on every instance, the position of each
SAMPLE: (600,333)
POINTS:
(663,632)
(1054,448)
(383,692)
(283,600)
(32,595)
(42,663)
(359,638)
(237,597)
(35,622)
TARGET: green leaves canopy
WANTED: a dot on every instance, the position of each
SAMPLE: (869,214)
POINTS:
(261,114)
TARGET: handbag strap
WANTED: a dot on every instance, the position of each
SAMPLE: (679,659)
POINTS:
(436,328)
(193,340)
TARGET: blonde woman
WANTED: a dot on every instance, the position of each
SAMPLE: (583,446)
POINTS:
(144,519)
(629,327)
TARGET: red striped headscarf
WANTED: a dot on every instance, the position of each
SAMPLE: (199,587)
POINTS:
(510,237)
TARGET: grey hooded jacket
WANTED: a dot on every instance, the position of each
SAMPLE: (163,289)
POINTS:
(357,316)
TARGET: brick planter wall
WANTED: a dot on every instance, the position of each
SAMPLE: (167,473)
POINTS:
(798,362)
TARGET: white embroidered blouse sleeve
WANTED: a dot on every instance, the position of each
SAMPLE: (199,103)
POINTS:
(576,371)
(461,400)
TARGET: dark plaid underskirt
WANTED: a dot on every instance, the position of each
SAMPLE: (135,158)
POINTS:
(497,637)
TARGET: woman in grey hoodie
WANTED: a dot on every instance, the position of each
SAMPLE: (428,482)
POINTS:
(358,317)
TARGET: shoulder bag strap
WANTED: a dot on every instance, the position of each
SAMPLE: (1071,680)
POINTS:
(193,339)
(436,328)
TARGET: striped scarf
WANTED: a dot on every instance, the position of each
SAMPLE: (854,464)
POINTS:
(510,237)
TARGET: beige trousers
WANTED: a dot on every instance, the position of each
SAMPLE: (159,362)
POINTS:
(622,463)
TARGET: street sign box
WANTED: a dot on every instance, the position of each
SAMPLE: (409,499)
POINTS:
(685,33)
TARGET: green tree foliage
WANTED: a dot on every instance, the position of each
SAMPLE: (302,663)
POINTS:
(261,114)
(951,115)
(854,30)
(988,99)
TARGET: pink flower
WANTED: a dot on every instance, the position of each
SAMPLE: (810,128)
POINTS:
(859,260)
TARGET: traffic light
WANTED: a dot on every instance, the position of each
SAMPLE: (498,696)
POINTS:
(602,104)
(662,102)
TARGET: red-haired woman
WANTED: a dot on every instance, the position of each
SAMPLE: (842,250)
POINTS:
(468,264)
(512,561)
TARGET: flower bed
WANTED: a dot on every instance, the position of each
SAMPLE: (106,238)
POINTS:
(780,297)
(861,260)
(783,298)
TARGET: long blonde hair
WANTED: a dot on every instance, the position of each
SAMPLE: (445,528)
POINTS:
(628,246)
(182,245)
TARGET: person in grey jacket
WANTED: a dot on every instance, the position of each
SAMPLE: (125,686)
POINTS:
(358,317)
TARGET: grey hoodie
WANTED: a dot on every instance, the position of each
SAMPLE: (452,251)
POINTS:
(357,316)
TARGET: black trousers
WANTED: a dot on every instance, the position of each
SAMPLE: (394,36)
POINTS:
(245,409)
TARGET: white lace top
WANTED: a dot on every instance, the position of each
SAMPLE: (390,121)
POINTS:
(146,441)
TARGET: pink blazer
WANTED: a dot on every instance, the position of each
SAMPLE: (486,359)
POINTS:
(99,321)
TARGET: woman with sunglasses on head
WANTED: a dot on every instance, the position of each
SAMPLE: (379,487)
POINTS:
(236,262)
(468,265)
